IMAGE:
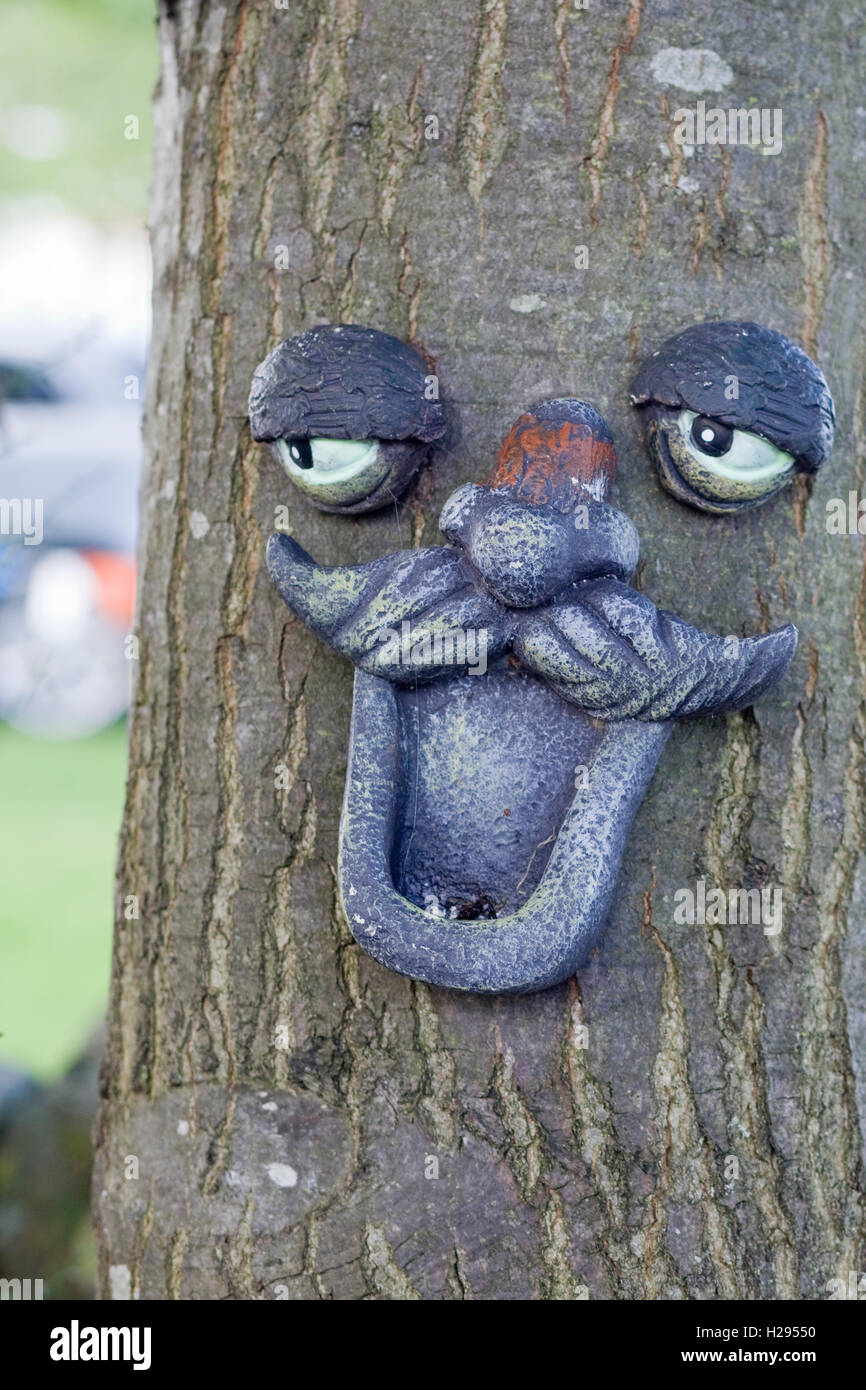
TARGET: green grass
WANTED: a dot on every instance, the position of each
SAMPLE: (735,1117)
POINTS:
(93,62)
(60,813)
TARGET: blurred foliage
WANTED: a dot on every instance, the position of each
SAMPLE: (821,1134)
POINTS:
(45,1160)
(91,64)
(72,73)
(59,819)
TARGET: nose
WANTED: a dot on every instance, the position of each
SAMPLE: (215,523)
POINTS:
(557,453)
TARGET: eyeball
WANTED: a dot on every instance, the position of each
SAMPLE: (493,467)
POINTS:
(333,470)
(711,436)
(299,452)
(725,464)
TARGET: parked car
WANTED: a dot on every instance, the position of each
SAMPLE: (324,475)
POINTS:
(69,471)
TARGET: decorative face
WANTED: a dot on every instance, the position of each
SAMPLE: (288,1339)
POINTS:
(513,695)
(513,691)
(731,411)
(349,413)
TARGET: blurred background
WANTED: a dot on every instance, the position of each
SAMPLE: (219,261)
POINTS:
(76,78)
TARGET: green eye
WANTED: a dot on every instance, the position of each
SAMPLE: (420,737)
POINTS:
(727,463)
(334,470)
(339,456)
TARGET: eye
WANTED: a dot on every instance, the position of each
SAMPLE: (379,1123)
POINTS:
(334,471)
(711,436)
(331,460)
(344,456)
(300,453)
(735,456)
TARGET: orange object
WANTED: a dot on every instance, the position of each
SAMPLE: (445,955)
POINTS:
(115,578)
(540,461)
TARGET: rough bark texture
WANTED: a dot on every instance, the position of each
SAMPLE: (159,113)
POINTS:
(283,1094)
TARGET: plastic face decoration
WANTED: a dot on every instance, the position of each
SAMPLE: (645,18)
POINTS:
(731,411)
(349,413)
(513,694)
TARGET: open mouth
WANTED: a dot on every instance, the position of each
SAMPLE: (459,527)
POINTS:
(470,869)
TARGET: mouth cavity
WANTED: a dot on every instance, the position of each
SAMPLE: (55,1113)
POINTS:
(477,868)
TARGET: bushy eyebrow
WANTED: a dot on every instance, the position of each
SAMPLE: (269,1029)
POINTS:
(747,377)
(344,382)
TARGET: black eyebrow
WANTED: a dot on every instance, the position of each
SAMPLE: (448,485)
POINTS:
(344,381)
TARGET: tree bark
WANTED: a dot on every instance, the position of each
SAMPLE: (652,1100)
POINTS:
(681,1120)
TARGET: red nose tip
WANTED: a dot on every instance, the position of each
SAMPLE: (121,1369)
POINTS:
(559,454)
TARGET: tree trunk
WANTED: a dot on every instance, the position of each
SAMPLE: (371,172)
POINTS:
(281,1117)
